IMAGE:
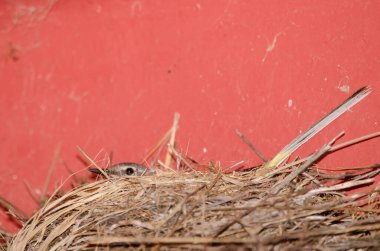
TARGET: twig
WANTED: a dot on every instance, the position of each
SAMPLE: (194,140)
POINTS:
(280,185)
(373,166)
(254,149)
(168,157)
(156,157)
(53,164)
(166,167)
(367,175)
(17,211)
(93,162)
(32,193)
(314,179)
(233,165)
(160,143)
(343,186)
(265,172)
(4,235)
(76,181)
(355,141)
(174,151)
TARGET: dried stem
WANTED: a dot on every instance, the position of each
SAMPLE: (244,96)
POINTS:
(168,157)
(51,168)
(92,162)
(254,149)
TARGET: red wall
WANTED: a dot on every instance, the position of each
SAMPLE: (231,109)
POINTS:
(110,74)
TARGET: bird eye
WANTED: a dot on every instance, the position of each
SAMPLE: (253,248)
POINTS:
(129,171)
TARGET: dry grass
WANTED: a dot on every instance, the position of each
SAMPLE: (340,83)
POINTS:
(210,210)
(292,207)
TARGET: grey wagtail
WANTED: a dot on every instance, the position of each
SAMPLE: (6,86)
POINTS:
(122,170)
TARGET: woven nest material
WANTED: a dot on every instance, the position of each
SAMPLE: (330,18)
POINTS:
(209,211)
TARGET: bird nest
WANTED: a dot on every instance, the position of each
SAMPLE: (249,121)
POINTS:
(212,211)
(273,207)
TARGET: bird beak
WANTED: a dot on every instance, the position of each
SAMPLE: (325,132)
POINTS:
(94,170)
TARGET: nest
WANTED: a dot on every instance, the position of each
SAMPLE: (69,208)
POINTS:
(210,211)
(292,207)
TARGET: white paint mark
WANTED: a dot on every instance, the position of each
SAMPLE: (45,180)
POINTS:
(344,88)
(204,150)
(343,85)
(37,191)
(198,5)
(290,103)
(325,79)
(271,46)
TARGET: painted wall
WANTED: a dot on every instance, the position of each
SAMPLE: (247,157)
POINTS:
(110,74)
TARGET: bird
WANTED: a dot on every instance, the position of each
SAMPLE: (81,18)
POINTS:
(123,169)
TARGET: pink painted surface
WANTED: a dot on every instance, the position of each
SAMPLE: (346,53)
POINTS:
(110,74)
